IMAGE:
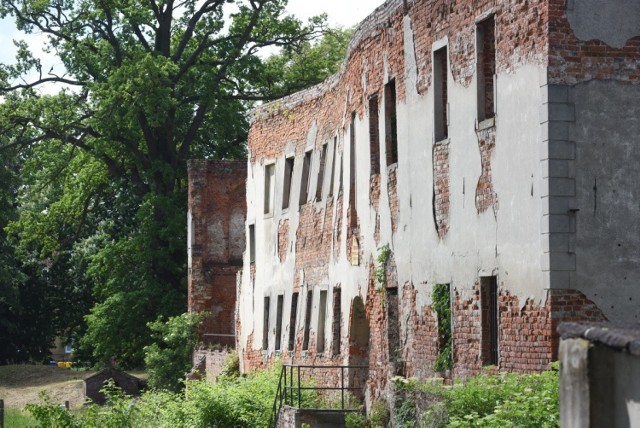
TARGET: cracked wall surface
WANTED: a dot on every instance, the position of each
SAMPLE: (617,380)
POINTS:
(506,195)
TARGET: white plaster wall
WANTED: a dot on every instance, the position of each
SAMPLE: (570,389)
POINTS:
(607,231)
(505,242)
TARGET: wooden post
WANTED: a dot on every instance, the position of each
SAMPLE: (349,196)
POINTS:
(66,404)
(1,413)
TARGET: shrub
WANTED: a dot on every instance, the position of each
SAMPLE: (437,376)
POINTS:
(51,415)
(529,400)
(234,402)
(168,359)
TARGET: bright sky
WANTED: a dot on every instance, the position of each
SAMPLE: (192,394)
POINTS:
(341,12)
(345,13)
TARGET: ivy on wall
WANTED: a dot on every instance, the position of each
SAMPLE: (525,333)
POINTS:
(442,306)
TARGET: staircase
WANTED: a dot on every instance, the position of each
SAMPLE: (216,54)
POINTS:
(299,387)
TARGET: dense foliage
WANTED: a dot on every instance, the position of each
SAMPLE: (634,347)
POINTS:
(487,400)
(98,206)
(168,358)
(231,402)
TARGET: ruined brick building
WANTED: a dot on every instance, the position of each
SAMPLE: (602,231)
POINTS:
(487,148)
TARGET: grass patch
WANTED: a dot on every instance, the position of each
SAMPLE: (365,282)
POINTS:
(16,418)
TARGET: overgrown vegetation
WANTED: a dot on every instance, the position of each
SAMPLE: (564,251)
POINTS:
(487,400)
(442,306)
(384,254)
(234,401)
(169,357)
(500,400)
(16,418)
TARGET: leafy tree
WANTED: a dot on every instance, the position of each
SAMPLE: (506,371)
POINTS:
(145,86)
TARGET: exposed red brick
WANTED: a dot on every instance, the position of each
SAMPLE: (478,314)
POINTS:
(283,239)
(441,187)
(218,211)
(572,60)
(485,195)
(394,204)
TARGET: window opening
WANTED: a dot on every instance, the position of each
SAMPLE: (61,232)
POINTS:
(252,243)
(442,307)
(486,68)
(307,321)
(374,139)
(352,171)
(265,325)
(393,329)
(391,124)
(490,322)
(336,322)
(340,188)
(333,167)
(322,314)
(292,321)
(288,175)
(304,185)
(269,184)
(279,321)
(323,160)
(441,104)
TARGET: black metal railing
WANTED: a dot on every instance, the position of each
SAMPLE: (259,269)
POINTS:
(291,386)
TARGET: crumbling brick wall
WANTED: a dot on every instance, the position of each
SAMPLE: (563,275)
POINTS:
(217,210)
(396,43)
(573,60)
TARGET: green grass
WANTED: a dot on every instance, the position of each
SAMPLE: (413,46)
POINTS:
(16,418)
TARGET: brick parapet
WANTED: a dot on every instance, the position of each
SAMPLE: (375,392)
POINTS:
(377,50)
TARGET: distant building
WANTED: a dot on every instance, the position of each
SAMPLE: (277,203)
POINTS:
(60,351)
(129,384)
(484,151)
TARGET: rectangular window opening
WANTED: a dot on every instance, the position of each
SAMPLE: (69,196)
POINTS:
(490,321)
(307,321)
(252,243)
(333,167)
(292,321)
(340,188)
(352,172)
(323,160)
(440,93)
(393,329)
(322,314)
(269,187)
(288,175)
(304,185)
(336,329)
(279,321)
(486,68)
(265,324)
(374,138)
(390,122)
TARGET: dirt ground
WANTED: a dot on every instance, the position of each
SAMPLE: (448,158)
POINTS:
(21,384)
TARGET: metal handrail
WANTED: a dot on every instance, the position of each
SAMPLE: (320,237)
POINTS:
(287,393)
